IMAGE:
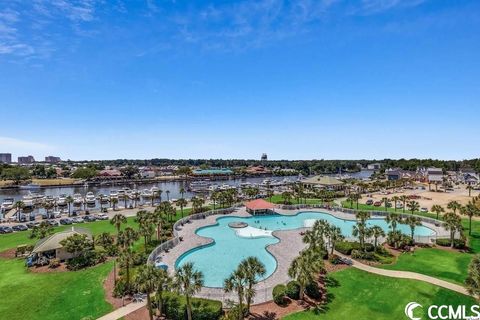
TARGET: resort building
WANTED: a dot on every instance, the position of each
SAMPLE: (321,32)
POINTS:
(26,160)
(324,182)
(51,247)
(260,206)
(374,166)
(434,175)
(5,158)
(52,159)
(110,174)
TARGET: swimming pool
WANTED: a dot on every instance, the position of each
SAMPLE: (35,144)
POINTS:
(218,259)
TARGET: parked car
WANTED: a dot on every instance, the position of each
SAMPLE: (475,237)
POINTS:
(53,223)
(89,218)
(20,227)
(101,216)
(65,221)
(424,210)
(6,229)
(399,205)
(377,203)
(78,220)
(369,202)
(32,224)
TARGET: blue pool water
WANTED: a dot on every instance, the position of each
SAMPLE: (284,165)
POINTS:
(218,260)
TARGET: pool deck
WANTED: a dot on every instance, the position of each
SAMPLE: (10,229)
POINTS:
(284,251)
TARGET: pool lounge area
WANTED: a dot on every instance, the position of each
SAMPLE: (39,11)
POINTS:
(216,248)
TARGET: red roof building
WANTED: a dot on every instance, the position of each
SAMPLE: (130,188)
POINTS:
(259,206)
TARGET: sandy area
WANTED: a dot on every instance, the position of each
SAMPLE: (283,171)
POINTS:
(430,198)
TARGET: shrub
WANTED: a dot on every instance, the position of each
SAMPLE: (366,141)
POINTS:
(457,243)
(334,259)
(346,247)
(293,290)
(120,289)
(202,309)
(313,291)
(358,254)
(54,263)
(279,292)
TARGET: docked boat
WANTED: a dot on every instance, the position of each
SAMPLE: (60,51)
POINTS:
(62,200)
(7,204)
(146,193)
(77,199)
(198,186)
(30,186)
(113,194)
(90,198)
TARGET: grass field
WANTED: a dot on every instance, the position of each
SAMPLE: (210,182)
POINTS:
(63,295)
(277,198)
(361,295)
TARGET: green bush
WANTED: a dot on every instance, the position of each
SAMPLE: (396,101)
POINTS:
(54,263)
(358,254)
(202,309)
(457,243)
(279,292)
(313,291)
(334,259)
(346,247)
(293,290)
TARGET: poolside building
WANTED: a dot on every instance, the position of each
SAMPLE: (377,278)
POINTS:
(324,182)
(260,206)
(51,247)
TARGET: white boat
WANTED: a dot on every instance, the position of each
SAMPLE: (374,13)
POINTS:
(113,194)
(90,198)
(134,194)
(7,203)
(155,189)
(146,193)
(213,187)
(198,186)
(225,187)
(62,200)
(103,198)
(77,199)
(30,186)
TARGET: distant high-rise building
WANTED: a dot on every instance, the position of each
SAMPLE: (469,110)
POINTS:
(264,157)
(52,159)
(5,157)
(26,160)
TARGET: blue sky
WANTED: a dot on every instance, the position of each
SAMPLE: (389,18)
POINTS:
(331,79)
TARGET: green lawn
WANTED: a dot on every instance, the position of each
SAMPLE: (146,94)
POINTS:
(361,295)
(63,295)
(277,198)
(446,265)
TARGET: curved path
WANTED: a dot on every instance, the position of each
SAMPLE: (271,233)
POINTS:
(406,275)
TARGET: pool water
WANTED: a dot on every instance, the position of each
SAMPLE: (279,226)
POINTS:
(219,259)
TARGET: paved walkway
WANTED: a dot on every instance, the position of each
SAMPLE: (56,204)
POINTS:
(407,275)
(123,311)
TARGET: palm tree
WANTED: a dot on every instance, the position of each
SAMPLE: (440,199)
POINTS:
(253,269)
(113,202)
(129,237)
(334,235)
(454,206)
(305,267)
(470,210)
(19,205)
(188,282)
(182,203)
(437,209)
(393,220)
(395,199)
(473,280)
(127,258)
(404,200)
(237,282)
(386,201)
(69,200)
(377,232)
(453,223)
(287,197)
(117,220)
(104,239)
(164,283)
(146,281)
(413,222)
(413,206)
(469,188)
(168,195)
(182,192)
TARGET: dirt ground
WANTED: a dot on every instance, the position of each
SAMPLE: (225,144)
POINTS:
(430,198)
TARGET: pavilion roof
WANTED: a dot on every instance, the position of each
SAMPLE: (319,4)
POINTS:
(259,204)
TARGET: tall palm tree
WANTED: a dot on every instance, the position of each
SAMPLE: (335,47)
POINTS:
(164,283)
(129,237)
(454,206)
(253,270)
(237,282)
(69,200)
(188,281)
(413,206)
(146,281)
(393,220)
(305,268)
(469,188)
(377,232)
(168,195)
(127,258)
(113,202)
(117,220)
(413,222)
(19,205)
(182,192)
(453,223)
(404,200)
(395,199)
(385,201)
(473,280)
(334,235)
(182,203)
(437,209)
(471,211)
